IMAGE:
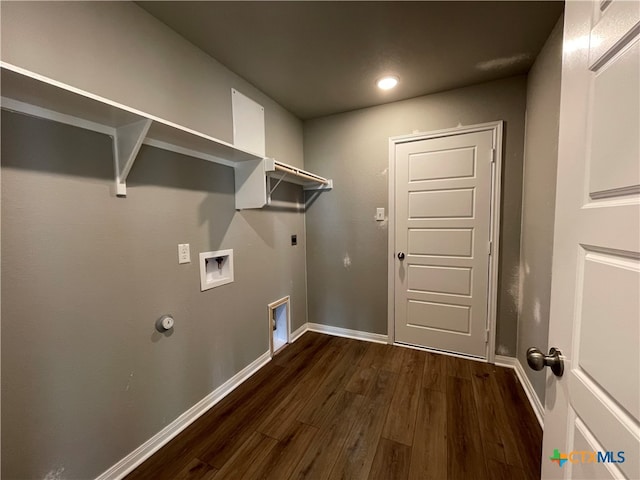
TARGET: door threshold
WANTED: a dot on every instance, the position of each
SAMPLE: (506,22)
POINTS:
(443,352)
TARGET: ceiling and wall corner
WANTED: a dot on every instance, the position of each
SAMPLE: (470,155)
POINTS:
(538,202)
(320,58)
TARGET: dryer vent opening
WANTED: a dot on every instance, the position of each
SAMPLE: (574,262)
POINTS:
(279,322)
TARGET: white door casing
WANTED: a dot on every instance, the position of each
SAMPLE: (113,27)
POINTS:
(443,196)
(595,296)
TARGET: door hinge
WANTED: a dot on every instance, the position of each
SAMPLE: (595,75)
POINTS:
(493,155)
(486,336)
(490,247)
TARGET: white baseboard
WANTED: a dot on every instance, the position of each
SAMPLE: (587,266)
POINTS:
(345,332)
(504,361)
(298,333)
(538,408)
(151,446)
(535,402)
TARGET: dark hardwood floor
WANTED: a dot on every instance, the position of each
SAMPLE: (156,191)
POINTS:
(334,408)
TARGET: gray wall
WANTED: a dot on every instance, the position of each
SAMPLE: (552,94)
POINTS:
(347,248)
(85,377)
(538,201)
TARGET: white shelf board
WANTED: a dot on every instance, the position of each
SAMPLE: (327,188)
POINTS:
(197,142)
(36,95)
(38,91)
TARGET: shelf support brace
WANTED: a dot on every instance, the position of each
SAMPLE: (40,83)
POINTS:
(273,189)
(128,139)
(320,187)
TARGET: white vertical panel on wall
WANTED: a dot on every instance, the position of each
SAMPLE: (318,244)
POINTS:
(248,123)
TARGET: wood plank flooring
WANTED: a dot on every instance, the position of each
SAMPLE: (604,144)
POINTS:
(335,408)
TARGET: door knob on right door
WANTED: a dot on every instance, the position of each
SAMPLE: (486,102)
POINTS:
(538,360)
(401,256)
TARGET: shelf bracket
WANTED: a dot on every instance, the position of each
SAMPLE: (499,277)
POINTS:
(273,189)
(127,140)
(321,187)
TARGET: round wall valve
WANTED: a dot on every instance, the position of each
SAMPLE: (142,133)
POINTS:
(164,323)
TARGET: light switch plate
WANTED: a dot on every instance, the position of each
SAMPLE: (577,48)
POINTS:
(380,214)
(184,253)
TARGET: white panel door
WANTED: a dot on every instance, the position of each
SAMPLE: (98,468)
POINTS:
(595,304)
(442,212)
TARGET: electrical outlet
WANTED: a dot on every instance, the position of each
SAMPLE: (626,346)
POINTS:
(294,239)
(184,253)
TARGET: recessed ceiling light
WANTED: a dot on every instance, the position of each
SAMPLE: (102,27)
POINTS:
(386,83)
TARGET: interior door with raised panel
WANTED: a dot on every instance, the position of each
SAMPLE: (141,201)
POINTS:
(592,412)
(442,233)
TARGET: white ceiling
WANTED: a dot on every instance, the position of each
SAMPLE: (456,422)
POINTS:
(319,58)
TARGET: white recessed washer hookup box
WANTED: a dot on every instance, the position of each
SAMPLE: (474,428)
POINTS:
(216,268)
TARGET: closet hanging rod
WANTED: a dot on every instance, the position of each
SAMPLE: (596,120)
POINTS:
(301,173)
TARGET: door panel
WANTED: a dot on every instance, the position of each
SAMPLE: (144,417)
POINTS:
(616,124)
(432,279)
(595,306)
(591,470)
(443,206)
(438,316)
(602,418)
(609,282)
(458,163)
(440,242)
